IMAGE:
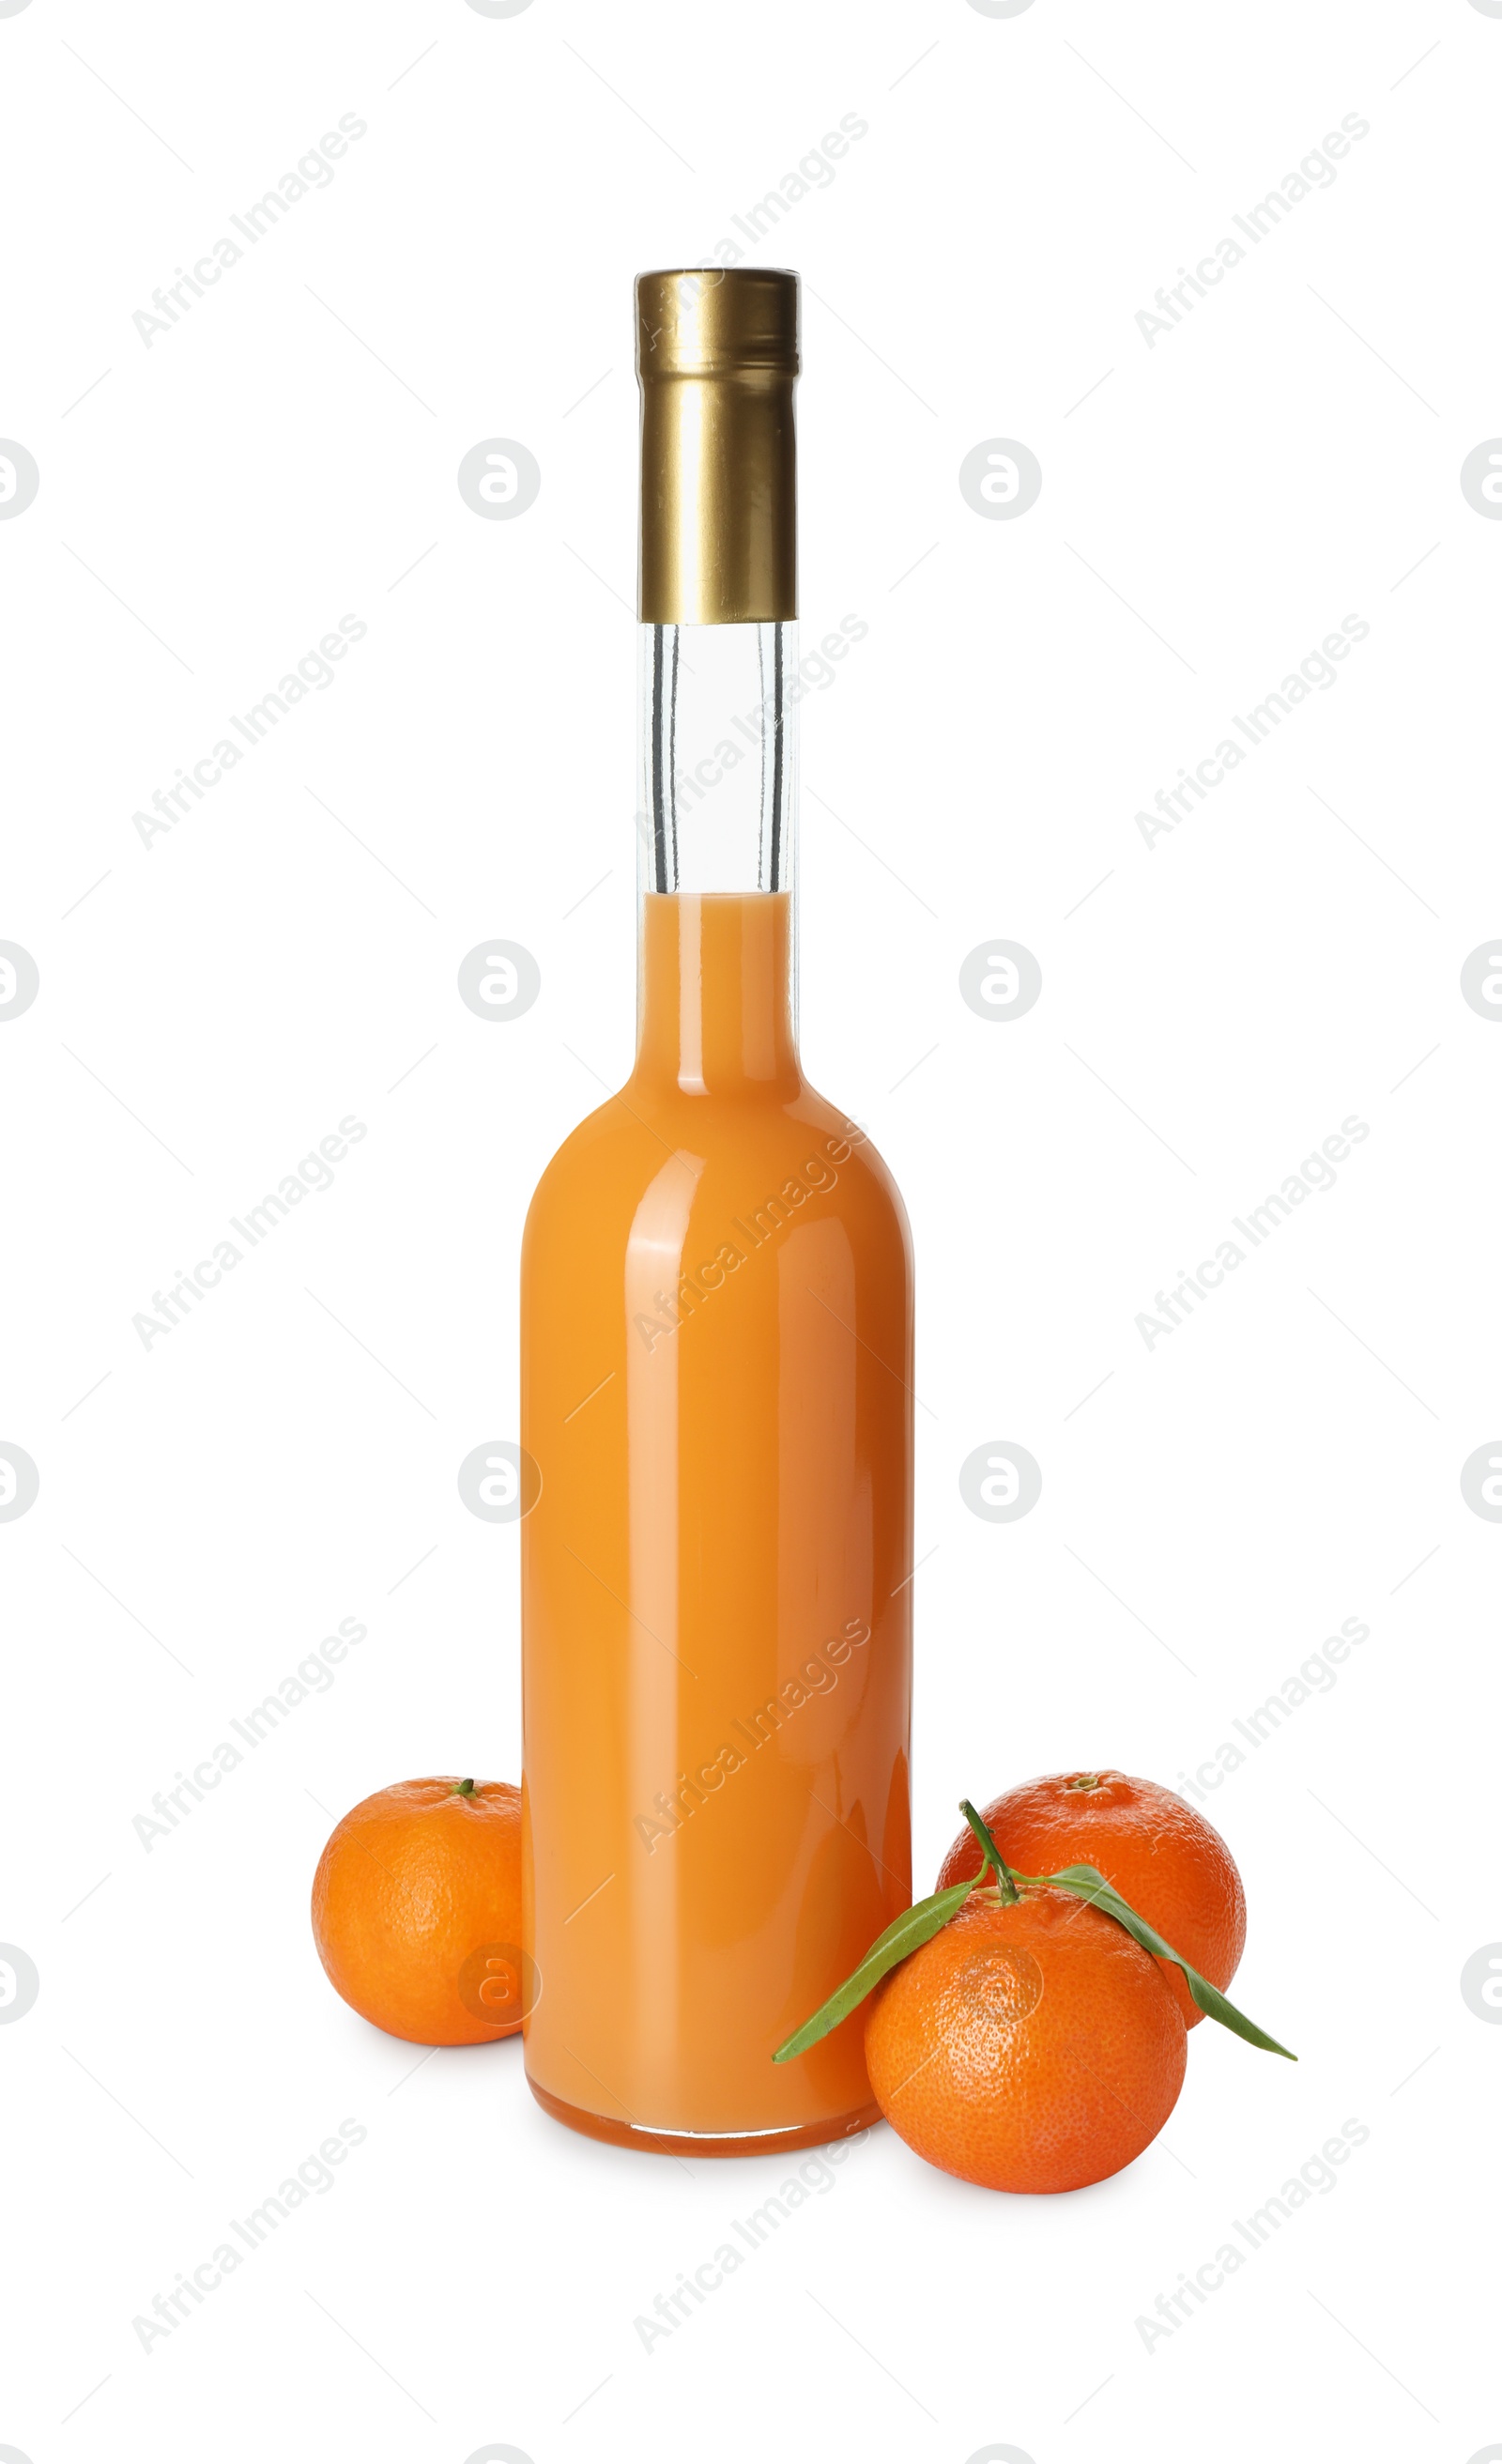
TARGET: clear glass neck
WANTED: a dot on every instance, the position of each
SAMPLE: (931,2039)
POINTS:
(716,848)
(717,768)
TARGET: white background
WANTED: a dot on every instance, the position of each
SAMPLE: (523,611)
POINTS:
(1213,1005)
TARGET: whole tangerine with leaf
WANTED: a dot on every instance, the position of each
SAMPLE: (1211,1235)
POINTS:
(1021,2033)
(417,1911)
(1163,1856)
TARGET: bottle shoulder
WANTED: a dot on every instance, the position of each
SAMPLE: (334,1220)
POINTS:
(603,1146)
(737,1150)
(849,1143)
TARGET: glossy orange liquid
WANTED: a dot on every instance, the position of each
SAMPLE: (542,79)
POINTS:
(717,1327)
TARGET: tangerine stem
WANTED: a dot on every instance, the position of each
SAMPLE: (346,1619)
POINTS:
(465,1788)
(992,1853)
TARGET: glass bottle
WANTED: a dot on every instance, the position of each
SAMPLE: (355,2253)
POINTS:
(717,1330)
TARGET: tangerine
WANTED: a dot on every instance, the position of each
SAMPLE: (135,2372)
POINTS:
(1026,2047)
(417,1911)
(1168,1863)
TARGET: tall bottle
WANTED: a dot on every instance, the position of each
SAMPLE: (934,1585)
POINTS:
(716,1361)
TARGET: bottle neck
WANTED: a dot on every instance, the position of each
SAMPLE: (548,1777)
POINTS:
(716,1013)
(717,762)
(718,769)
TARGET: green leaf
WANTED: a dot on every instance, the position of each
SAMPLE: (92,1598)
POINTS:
(915,1927)
(1086,1883)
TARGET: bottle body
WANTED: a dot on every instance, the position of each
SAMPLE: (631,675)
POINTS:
(717,1324)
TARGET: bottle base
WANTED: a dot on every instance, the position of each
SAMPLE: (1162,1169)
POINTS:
(693,2142)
